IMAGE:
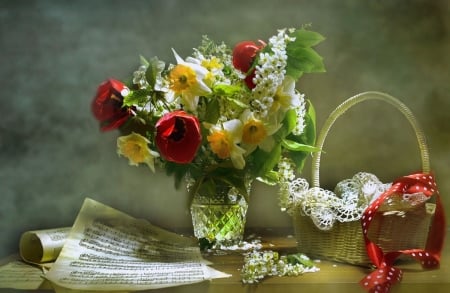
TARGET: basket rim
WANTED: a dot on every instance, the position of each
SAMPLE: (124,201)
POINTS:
(354,100)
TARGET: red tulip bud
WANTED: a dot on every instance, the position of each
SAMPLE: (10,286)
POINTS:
(107,105)
(178,136)
(244,54)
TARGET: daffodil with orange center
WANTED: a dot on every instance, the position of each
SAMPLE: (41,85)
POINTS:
(135,147)
(224,140)
(186,80)
(254,132)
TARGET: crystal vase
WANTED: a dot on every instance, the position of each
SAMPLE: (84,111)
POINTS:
(219,213)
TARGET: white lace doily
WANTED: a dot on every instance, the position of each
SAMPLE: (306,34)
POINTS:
(348,201)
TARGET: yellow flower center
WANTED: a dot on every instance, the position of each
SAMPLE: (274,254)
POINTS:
(181,78)
(220,144)
(134,152)
(254,132)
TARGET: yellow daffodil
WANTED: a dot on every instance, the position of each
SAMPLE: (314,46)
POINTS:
(186,80)
(212,64)
(224,140)
(135,147)
(214,67)
(256,132)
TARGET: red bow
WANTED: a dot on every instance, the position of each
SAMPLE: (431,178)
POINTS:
(386,274)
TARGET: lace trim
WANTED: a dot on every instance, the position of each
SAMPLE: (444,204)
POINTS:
(348,201)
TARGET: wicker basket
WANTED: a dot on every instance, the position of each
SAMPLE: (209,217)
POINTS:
(345,241)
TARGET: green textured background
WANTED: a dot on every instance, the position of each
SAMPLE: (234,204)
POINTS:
(55,53)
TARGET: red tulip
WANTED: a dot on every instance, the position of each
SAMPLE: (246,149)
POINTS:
(107,105)
(244,54)
(178,136)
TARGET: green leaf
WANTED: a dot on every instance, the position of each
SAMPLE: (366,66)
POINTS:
(290,120)
(288,124)
(301,57)
(212,112)
(178,171)
(270,178)
(264,162)
(226,89)
(154,69)
(298,147)
(136,97)
(299,159)
(306,38)
(300,258)
(228,92)
(311,112)
(308,137)
(143,60)
(302,60)
(309,133)
(237,102)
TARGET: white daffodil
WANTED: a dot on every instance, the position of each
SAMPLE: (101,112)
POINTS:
(186,80)
(224,140)
(256,132)
(285,97)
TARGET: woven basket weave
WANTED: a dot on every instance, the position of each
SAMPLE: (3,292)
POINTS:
(345,241)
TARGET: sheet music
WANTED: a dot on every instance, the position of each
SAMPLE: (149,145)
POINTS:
(19,275)
(42,246)
(109,250)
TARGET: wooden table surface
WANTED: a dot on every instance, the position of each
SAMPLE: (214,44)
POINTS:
(332,277)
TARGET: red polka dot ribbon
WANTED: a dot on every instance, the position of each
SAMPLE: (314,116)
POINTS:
(381,279)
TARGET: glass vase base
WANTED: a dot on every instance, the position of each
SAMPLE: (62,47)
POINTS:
(220,224)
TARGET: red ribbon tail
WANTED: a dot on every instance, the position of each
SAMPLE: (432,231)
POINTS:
(381,279)
(386,275)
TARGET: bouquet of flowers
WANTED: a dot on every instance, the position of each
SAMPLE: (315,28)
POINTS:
(219,116)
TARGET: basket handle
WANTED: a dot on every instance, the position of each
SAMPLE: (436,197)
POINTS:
(350,102)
